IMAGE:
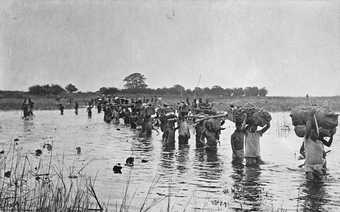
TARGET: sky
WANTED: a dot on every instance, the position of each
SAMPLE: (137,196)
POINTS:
(291,47)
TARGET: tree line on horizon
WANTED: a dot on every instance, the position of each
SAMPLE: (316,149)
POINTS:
(135,84)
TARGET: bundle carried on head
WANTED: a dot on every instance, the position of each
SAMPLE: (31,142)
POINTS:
(323,117)
(255,115)
(212,125)
(204,111)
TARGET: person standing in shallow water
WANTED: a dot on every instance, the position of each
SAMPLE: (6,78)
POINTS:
(315,162)
(61,108)
(76,106)
(237,144)
(89,111)
(252,143)
(183,131)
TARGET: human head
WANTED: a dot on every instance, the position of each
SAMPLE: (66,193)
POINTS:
(238,125)
(252,128)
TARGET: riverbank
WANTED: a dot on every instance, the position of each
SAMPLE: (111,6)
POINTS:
(13,101)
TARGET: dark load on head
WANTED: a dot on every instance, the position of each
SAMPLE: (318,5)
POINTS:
(255,115)
(324,117)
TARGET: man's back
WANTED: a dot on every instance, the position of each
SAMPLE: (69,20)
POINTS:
(237,140)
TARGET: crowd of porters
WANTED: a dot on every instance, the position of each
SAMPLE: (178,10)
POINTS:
(149,115)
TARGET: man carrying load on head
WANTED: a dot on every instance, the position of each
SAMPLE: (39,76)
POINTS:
(315,162)
(252,142)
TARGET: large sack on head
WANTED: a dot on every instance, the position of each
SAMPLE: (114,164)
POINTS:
(327,132)
(261,118)
(300,130)
(255,116)
(324,116)
(300,115)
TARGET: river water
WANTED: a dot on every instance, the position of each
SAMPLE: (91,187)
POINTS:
(185,178)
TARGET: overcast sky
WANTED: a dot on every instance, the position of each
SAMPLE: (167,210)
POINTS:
(290,47)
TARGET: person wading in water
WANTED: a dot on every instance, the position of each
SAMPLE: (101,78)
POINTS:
(61,108)
(252,143)
(76,106)
(237,144)
(315,162)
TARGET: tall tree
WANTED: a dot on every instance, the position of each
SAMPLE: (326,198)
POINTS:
(263,91)
(71,88)
(135,81)
(251,91)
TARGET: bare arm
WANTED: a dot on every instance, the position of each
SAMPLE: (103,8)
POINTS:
(327,143)
(302,150)
(233,143)
(243,127)
(264,129)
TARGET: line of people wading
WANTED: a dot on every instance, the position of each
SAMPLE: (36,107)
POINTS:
(149,115)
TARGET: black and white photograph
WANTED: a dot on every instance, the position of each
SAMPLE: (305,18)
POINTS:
(169,105)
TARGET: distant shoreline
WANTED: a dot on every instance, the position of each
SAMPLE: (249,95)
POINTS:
(12,100)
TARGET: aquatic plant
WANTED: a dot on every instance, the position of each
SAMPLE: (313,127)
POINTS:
(45,187)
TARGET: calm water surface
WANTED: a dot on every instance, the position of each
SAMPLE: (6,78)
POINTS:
(194,178)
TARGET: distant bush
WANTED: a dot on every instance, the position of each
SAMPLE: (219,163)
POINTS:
(107,91)
(263,92)
(180,90)
(174,90)
(46,89)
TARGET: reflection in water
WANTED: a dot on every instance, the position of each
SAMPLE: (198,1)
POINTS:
(182,158)
(246,188)
(313,196)
(167,156)
(209,166)
(214,165)
(142,145)
(252,187)
(28,126)
(237,177)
